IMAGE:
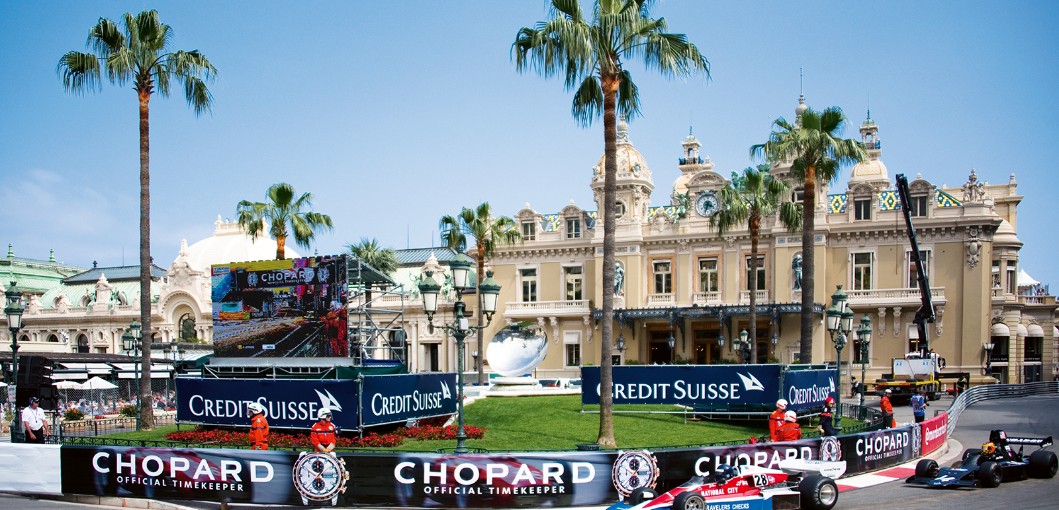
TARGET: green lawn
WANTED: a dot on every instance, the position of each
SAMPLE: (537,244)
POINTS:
(557,423)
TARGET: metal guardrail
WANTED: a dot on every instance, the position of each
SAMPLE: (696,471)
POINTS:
(995,391)
(92,427)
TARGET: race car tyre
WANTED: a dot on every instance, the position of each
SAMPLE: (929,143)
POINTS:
(989,475)
(1043,464)
(642,494)
(971,451)
(689,500)
(927,468)
(818,492)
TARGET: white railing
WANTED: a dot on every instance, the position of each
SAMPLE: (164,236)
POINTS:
(993,391)
(707,298)
(661,300)
(893,296)
(762,297)
(550,308)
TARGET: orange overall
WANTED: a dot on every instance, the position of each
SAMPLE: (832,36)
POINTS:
(258,432)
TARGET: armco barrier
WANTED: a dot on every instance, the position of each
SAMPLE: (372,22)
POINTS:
(994,391)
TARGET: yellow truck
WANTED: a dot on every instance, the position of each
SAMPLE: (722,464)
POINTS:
(911,374)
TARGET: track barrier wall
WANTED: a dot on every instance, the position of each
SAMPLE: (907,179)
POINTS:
(479,480)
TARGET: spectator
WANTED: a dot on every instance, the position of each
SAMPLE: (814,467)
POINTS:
(854,387)
(961,385)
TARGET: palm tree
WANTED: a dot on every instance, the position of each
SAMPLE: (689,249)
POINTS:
(588,54)
(282,211)
(817,153)
(139,51)
(368,250)
(488,232)
(748,198)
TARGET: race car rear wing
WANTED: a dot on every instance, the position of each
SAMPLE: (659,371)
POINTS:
(1042,442)
(999,437)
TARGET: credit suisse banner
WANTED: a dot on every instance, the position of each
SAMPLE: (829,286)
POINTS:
(686,384)
(287,403)
(399,398)
(805,389)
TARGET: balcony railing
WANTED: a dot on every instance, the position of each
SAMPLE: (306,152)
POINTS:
(661,300)
(762,296)
(549,308)
(707,298)
(894,296)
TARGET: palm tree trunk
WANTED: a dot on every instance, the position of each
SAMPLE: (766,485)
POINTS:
(755,232)
(610,188)
(146,409)
(281,247)
(808,265)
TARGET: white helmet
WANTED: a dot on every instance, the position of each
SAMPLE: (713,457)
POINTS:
(790,416)
(323,412)
(781,403)
(254,407)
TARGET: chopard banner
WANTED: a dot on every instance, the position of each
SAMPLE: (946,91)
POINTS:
(398,398)
(686,384)
(806,389)
(288,403)
(404,479)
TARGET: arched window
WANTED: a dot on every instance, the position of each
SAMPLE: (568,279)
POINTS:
(187,327)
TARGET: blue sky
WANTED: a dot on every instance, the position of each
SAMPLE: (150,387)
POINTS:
(395,113)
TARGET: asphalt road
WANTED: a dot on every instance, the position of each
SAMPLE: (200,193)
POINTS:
(1026,416)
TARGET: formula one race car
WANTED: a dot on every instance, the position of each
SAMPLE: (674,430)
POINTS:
(995,462)
(748,488)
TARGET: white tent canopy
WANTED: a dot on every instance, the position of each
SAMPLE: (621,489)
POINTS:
(1025,280)
(69,385)
(98,383)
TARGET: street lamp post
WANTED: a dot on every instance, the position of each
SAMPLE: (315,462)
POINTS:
(130,341)
(743,346)
(13,310)
(864,334)
(988,355)
(460,327)
(840,323)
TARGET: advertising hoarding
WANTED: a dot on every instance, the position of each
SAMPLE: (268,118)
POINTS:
(399,398)
(688,385)
(287,403)
(280,308)
(807,389)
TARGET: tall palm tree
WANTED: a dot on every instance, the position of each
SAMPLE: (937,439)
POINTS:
(589,55)
(282,211)
(814,146)
(488,232)
(138,50)
(749,197)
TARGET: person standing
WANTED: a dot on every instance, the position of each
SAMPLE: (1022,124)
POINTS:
(323,432)
(33,421)
(827,424)
(919,405)
(258,427)
(887,409)
(853,387)
(776,420)
(961,385)
(790,430)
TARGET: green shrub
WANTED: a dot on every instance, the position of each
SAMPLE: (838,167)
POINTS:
(128,411)
(73,415)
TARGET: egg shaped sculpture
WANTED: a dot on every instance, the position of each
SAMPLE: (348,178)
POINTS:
(516,351)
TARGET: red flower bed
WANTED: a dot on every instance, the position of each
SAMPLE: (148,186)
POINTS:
(301,440)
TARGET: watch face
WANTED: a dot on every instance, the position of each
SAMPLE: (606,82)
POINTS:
(319,476)
(706,204)
(633,470)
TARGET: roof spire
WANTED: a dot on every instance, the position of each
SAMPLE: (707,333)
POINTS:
(801,96)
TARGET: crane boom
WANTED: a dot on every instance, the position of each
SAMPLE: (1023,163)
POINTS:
(925,313)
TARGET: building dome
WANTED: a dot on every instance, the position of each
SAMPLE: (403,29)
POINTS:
(870,170)
(1005,235)
(230,243)
(631,164)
